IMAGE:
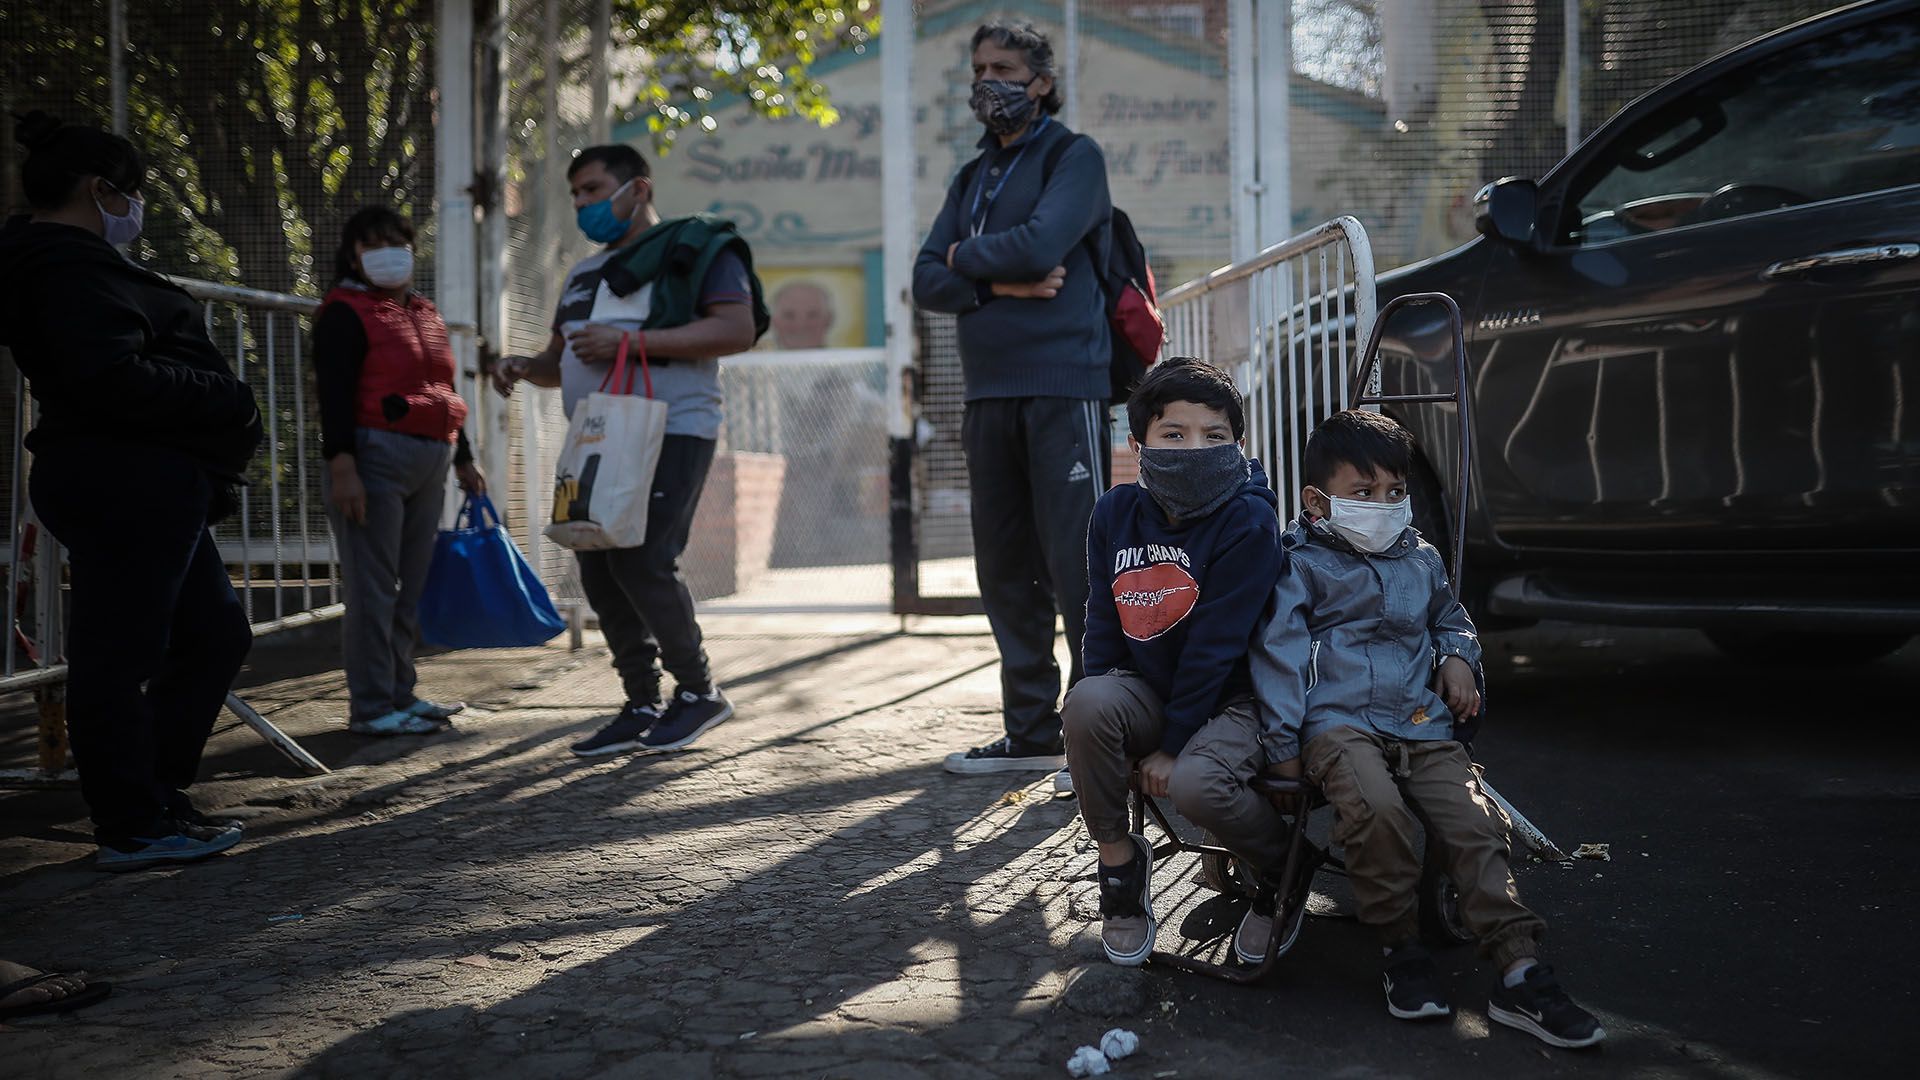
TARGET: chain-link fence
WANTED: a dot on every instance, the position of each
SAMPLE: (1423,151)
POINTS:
(262,132)
(263,129)
(267,123)
(1397,113)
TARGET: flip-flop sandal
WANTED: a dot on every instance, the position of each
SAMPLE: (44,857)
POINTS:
(91,993)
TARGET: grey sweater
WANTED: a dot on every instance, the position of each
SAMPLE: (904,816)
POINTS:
(1012,347)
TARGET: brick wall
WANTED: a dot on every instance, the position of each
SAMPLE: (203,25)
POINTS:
(733,527)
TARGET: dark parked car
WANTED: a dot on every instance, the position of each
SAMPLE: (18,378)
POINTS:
(1695,356)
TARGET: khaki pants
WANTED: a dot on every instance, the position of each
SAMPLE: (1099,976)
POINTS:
(1362,775)
(1112,721)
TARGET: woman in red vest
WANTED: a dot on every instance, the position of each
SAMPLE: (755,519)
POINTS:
(389,420)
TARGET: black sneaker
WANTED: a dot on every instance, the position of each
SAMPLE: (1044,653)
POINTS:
(1412,989)
(688,716)
(1541,1009)
(1127,927)
(621,734)
(181,809)
(1008,754)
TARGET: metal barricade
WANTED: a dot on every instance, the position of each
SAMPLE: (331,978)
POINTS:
(279,541)
(1290,324)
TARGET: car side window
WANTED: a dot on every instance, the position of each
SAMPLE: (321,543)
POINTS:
(1833,117)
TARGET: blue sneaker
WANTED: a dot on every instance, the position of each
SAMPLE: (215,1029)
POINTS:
(394,723)
(435,711)
(689,716)
(190,844)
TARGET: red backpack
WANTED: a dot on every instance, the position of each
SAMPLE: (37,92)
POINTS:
(1126,279)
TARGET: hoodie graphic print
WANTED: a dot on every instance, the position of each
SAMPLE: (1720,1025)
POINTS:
(1179,603)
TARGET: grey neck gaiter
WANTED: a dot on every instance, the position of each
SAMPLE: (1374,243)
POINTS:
(1191,484)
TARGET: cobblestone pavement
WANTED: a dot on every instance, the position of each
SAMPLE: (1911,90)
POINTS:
(803,894)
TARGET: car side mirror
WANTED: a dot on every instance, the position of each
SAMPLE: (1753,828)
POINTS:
(1508,210)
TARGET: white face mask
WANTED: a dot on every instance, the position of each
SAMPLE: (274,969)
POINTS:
(121,229)
(387,267)
(1369,526)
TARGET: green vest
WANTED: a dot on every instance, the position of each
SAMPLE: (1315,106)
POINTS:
(675,256)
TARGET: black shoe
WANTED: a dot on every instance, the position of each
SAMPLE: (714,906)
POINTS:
(688,716)
(1413,992)
(1541,1009)
(621,734)
(1008,754)
(181,809)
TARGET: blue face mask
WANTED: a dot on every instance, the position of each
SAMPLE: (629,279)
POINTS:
(597,220)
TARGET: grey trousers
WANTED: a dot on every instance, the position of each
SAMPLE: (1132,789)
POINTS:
(383,563)
(1113,721)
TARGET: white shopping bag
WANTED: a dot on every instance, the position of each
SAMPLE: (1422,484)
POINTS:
(603,482)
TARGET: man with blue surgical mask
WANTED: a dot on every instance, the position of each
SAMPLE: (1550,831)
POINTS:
(682,315)
(1012,254)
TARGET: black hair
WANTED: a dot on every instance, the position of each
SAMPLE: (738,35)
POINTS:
(1369,441)
(367,225)
(1039,52)
(624,162)
(58,155)
(1184,378)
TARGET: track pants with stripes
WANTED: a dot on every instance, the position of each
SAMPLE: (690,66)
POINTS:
(1035,465)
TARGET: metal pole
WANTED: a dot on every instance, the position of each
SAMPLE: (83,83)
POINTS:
(117,61)
(494,421)
(601,73)
(275,737)
(300,474)
(551,170)
(1070,68)
(1275,138)
(453,261)
(273,468)
(1572,68)
(897,204)
(246,490)
(16,500)
(1243,131)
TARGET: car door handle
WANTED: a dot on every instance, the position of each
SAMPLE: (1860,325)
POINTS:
(1846,257)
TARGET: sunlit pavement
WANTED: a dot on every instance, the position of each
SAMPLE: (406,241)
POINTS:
(805,893)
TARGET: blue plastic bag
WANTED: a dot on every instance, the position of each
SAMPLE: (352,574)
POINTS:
(480,593)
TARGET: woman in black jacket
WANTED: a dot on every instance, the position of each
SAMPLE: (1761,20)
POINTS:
(143,436)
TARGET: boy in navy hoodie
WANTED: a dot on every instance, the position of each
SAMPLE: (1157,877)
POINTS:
(1180,570)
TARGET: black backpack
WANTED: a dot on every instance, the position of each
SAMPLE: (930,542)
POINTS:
(1126,280)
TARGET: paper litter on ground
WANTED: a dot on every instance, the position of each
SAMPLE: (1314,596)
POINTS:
(1118,1043)
(1088,1061)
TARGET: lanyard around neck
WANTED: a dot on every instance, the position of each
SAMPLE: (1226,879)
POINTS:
(977,216)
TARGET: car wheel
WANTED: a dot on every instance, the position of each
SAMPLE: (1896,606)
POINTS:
(1775,647)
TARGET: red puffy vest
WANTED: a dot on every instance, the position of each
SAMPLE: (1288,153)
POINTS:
(409,358)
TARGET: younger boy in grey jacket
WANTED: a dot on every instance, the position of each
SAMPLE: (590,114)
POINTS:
(1361,676)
